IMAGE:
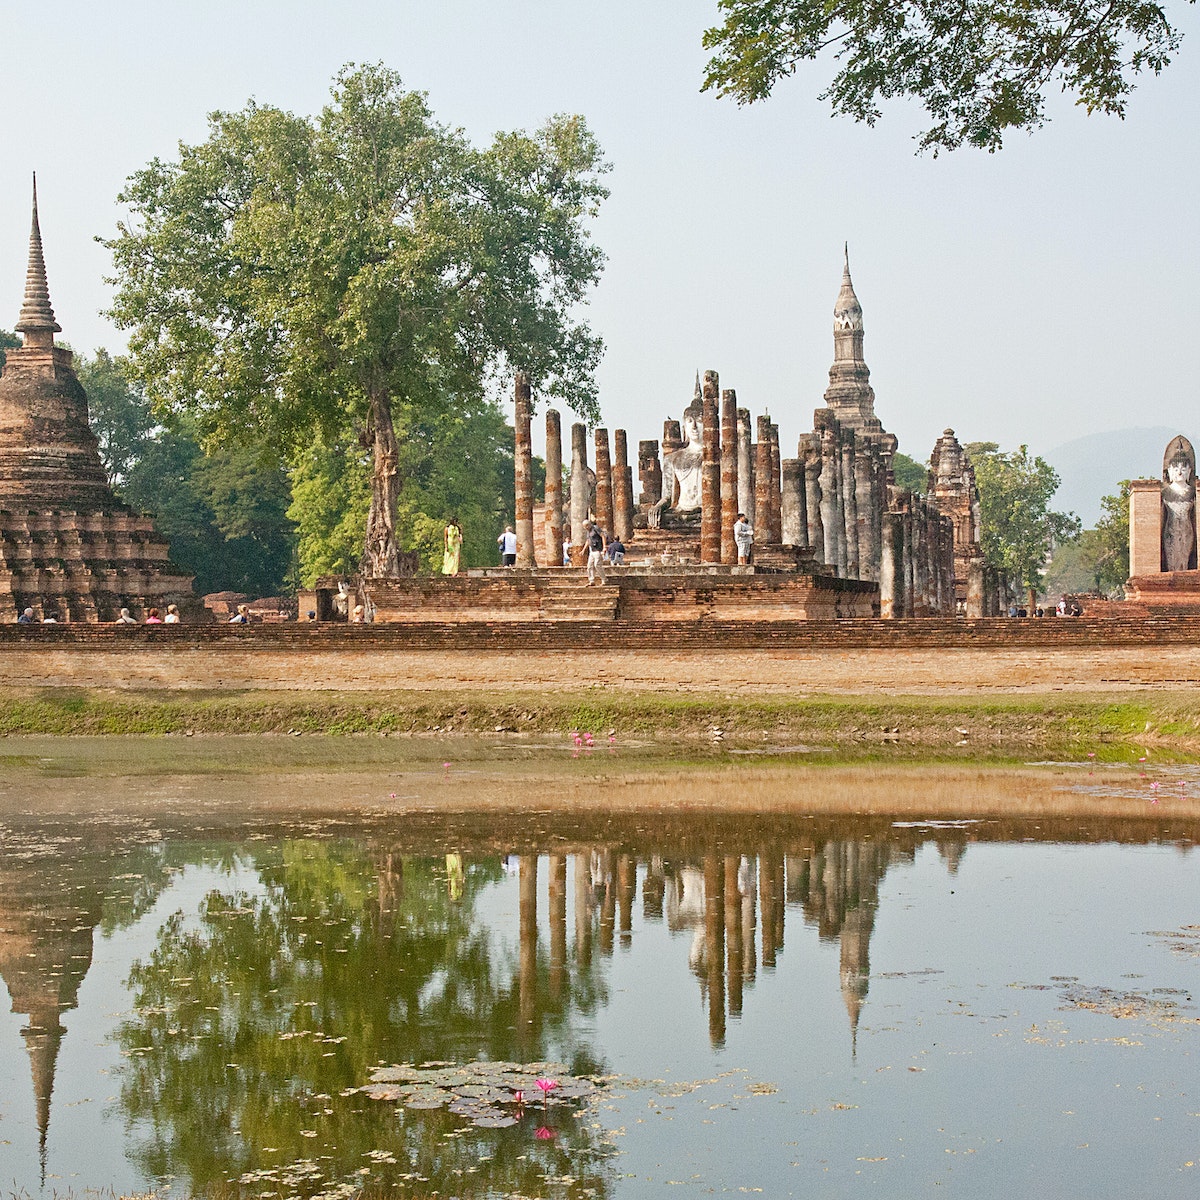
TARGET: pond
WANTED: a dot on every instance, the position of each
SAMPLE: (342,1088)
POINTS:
(211,996)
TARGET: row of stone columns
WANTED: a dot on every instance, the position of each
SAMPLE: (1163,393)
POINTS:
(837,494)
(737,475)
(916,577)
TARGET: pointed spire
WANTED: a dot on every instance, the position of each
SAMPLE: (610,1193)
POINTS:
(36,314)
(698,394)
(847,312)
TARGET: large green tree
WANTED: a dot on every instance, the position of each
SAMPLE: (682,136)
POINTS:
(8,341)
(457,461)
(978,67)
(1019,529)
(224,512)
(1098,560)
(368,267)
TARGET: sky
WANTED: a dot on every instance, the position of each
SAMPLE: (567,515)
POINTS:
(1029,297)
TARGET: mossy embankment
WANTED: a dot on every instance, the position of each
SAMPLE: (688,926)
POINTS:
(1024,727)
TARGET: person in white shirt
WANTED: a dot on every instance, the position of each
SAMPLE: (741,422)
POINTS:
(743,535)
(507,542)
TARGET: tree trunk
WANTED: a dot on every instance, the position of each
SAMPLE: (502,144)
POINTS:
(381,554)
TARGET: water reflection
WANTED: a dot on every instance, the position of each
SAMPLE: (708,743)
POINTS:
(314,957)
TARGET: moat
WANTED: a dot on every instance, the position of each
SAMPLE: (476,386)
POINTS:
(270,972)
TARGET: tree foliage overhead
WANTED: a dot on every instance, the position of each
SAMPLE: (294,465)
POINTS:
(1019,529)
(979,67)
(367,268)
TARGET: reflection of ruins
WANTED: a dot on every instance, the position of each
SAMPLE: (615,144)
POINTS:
(48,910)
(383,939)
(733,906)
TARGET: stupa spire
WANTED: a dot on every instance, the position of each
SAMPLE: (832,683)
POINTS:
(847,312)
(37,321)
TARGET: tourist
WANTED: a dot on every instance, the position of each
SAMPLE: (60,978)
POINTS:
(357,617)
(26,618)
(125,619)
(743,536)
(595,559)
(566,552)
(312,614)
(615,551)
(50,619)
(152,617)
(172,617)
(1062,606)
(507,542)
(451,546)
(242,616)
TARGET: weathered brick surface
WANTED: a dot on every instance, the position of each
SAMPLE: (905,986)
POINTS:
(786,657)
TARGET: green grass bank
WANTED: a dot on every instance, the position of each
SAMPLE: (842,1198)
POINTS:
(1011,728)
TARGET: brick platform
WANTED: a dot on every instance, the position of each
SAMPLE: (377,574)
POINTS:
(928,655)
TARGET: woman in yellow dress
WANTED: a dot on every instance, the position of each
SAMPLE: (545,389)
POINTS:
(452,543)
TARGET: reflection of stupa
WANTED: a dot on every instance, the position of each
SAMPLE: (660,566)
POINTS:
(67,545)
(45,952)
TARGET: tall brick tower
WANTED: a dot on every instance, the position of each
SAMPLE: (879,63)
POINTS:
(849,393)
(68,546)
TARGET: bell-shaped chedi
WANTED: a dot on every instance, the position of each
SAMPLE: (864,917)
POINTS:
(68,546)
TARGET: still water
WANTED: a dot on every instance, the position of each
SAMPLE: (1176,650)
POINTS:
(800,1005)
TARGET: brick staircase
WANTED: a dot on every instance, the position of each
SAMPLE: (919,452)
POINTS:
(570,598)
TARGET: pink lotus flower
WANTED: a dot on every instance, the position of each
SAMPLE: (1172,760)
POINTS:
(545,1133)
(546,1086)
(519,1097)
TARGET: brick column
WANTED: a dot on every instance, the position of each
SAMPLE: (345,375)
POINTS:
(776,489)
(745,460)
(792,520)
(831,516)
(523,459)
(1145,527)
(891,568)
(850,503)
(810,460)
(579,483)
(622,484)
(762,482)
(729,474)
(710,473)
(554,489)
(604,484)
(864,497)
(976,589)
(649,472)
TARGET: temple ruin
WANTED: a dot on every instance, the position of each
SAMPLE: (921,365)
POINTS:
(68,547)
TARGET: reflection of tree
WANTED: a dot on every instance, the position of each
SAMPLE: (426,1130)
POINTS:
(253,1018)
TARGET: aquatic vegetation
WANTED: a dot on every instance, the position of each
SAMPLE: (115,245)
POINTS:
(490,1095)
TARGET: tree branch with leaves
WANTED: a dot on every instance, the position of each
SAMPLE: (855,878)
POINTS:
(980,68)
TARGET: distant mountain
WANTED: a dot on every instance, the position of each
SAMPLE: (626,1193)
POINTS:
(1093,466)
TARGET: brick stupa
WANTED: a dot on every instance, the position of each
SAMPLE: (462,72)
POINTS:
(68,546)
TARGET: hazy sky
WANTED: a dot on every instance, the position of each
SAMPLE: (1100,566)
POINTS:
(1034,295)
